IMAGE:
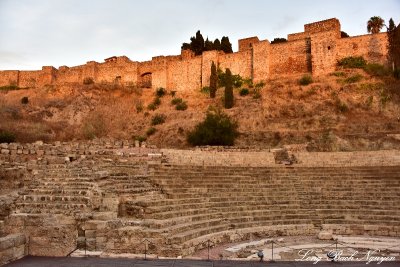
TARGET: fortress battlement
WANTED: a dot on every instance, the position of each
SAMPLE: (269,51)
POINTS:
(316,51)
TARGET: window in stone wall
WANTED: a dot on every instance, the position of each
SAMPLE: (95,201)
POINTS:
(145,80)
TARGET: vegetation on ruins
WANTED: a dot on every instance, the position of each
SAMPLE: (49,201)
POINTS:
(237,80)
(198,45)
(228,99)
(160,92)
(179,104)
(278,40)
(158,119)
(217,129)
(213,80)
(151,131)
(9,87)
(375,24)
(244,92)
(352,62)
(306,79)
(7,137)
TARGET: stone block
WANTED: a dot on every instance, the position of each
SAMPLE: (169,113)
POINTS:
(90,234)
(325,235)
(5,151)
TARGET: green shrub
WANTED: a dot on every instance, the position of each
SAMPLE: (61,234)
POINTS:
(176,101)
(371,86)
(88,80)
(151,106)
(181,106)
(338,74)
(342,107)
(244,92)
(353,62)
(306,80)
(353,79)
(158,119)
(376,70)
(256,94)
(217,129)
(139,107)
(7,137)
(154,105)
(259,85)
(151,131)
(160,92)
(9,88)
(24,100)
(172,93)
(205,90)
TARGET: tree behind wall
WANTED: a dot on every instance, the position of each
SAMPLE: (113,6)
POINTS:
(213,80)
(228,89)
(226,46)
(375,24)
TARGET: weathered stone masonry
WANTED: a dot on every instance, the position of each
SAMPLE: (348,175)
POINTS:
(315,50)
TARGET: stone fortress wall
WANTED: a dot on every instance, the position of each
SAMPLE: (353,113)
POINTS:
(316,50)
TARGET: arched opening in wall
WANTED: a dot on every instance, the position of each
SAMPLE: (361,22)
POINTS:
(145,80)
(117,80)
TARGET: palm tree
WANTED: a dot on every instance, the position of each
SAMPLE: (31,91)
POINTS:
(375,24)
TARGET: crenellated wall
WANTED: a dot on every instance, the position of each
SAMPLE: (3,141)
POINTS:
(316,51)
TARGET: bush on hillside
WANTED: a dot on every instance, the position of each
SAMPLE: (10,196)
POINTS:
(306,80)
(376,69)
(181,106)
(6,137)
(353,62)
(160,92)
(217,129)
(244,92)
(158,119)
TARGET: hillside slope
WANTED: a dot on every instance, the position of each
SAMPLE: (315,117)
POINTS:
(346,110)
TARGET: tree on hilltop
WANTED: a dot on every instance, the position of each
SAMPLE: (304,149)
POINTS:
(198,45)
(375,24)
(226,46)
(217,44)
(278,40)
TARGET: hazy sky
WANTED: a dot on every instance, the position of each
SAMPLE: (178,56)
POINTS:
(34,33)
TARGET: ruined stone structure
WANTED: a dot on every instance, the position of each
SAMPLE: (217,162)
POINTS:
(109,196)
(316,50)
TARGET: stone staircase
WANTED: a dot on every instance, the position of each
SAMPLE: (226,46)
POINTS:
(59,188)
(216,202)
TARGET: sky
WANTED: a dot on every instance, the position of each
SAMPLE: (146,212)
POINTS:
(36,33)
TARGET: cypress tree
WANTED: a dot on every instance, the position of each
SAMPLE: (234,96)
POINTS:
(391,32)
(213,80)
(208,45)
(226,46)
(217,44)
(228,89)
